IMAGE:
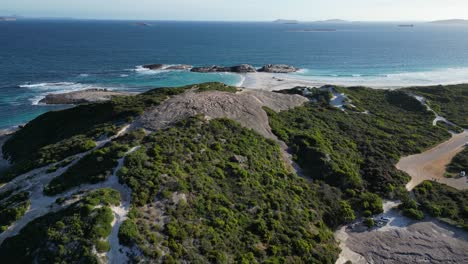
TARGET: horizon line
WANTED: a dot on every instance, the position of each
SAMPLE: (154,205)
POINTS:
(219,20)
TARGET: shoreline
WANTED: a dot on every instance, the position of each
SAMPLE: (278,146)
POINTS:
(281,81)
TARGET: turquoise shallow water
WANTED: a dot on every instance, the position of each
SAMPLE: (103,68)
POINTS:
(40,57)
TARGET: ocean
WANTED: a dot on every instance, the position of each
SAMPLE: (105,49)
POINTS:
(38,57)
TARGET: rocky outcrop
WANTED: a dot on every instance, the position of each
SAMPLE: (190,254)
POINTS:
(81,97)
(245,107)
(179,67)
(243,68)
(278,68)
(153,66)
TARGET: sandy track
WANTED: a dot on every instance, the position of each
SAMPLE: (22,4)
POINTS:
(431,164)
(34,182)
(117,251)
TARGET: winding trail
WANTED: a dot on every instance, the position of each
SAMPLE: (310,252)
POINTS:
(35,181)
(117,253)
(432,164)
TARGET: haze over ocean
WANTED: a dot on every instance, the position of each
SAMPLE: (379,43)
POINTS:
(42,56)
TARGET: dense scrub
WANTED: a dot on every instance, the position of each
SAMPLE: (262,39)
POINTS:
(12,208)
(67,236)
(442,201)
(215,86)
(448,101)
(459,163)
(216,192)
(95,167)
(56,135)
(355,150)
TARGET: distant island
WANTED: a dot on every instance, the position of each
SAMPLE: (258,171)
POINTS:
(7,18)
(451,22)
(286,21)
(336,21)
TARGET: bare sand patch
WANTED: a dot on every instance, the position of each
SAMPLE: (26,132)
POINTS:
(431,164)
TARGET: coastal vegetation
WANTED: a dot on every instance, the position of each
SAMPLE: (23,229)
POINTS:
(57,135)
(443,202)
(95,167)
(214,191)
(67,236)
(223,194)
(459,163)
(357,150)
(12,208)
(448,101)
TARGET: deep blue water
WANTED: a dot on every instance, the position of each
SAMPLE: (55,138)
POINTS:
(39,57)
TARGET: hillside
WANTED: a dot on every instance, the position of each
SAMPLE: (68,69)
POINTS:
(210,173)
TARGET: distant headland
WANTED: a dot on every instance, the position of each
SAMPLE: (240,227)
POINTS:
(286,21)
(451,22)
(7,18)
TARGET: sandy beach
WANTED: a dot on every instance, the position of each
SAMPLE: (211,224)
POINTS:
(281,81)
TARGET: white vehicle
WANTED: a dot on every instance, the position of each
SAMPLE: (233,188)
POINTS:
(385,219)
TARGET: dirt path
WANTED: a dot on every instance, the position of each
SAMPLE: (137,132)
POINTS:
(34,182)
(431,164)
(117,251)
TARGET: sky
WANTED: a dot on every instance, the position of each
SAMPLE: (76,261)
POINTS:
(241,10)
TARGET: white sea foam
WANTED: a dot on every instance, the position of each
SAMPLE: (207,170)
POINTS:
(47,85)
(241,81)
(56,88)
(434,77)
(141,70)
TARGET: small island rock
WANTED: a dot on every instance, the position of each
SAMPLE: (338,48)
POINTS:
(278,68)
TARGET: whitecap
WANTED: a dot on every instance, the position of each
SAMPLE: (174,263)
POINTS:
(46,85)
(142,70)
(400,79)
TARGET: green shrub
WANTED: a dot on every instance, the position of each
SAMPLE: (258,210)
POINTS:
(413,213)
(369,222)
